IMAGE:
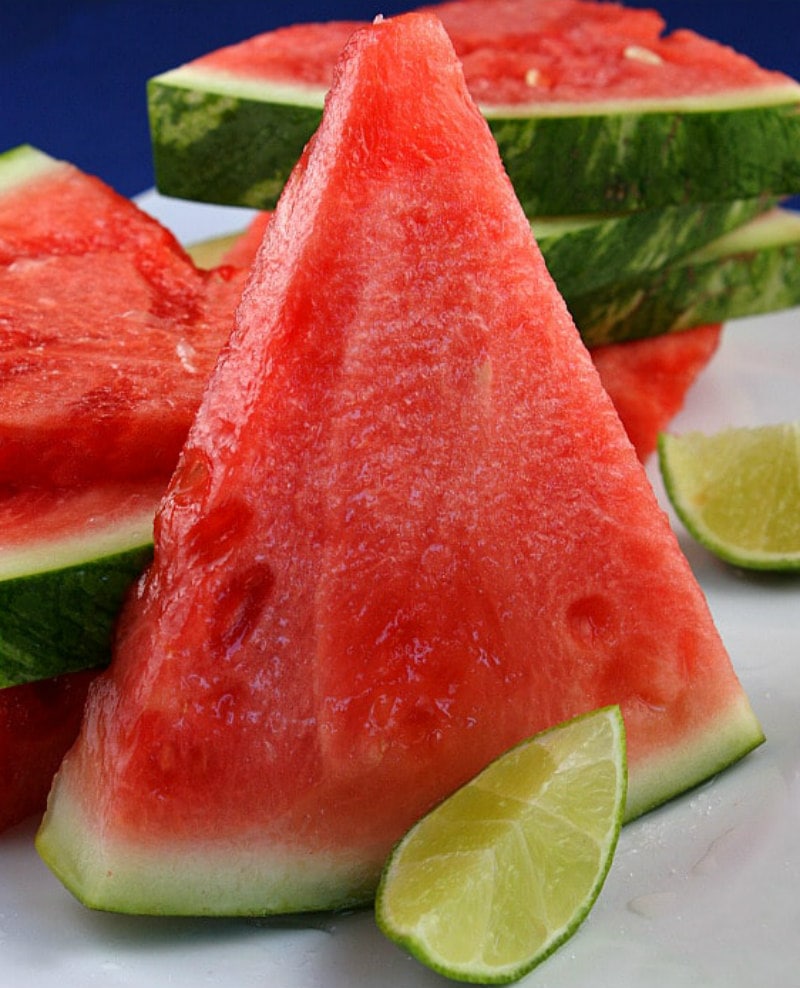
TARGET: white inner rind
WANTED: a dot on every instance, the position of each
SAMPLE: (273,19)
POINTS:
(23,164)
(245,878)
(97,539)
(700,754)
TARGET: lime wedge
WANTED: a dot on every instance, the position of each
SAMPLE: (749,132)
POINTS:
(502,872)
(738,492)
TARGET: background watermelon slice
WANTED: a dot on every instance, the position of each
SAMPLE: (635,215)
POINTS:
(649,112)
(38,723)
(752,270)
(404,408)
(121,284)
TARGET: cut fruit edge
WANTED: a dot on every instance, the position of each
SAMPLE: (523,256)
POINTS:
(690,513)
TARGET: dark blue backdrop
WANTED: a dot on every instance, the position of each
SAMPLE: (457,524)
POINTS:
(72,72)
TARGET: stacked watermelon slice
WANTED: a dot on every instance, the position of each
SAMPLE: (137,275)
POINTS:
(633,152)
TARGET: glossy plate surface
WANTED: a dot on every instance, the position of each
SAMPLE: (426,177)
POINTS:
(703,892)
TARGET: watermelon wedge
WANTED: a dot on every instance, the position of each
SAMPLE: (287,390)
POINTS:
(406,530)
(658,119)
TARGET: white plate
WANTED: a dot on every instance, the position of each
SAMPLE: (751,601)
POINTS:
(703,892)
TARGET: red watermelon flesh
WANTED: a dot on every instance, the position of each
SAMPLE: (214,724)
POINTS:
(109,333)
(648,379)
(526,51)
(38,723)
(407,529)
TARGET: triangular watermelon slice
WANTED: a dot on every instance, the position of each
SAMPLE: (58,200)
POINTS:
(407,529)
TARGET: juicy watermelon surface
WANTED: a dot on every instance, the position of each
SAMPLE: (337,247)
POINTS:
(645,390)
(406,530)
(518,52)
(106,391)
(647,379)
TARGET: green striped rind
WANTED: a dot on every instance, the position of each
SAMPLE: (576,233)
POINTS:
(751,271)
(60,593)
(632,160)
(62,620)
(584,253)
(212,145)
(219,139)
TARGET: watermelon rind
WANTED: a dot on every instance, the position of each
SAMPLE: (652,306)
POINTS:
(585,252)
(205,881)
(220,139)
(197,880)
(750,271)
(60,595)
(734,733)
(22,164)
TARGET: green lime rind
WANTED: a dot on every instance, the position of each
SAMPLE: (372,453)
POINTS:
(737,493)
(452,840)
(62,620)
(750,271)
(217,138)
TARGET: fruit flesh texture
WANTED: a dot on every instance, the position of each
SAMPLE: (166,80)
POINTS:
(47,716)
(517,52)
(352,604)
(649,113)
(123,289)
(647,379)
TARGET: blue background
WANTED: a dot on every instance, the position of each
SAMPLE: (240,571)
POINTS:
(72,74)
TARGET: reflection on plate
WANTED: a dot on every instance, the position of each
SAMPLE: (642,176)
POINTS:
(703,892)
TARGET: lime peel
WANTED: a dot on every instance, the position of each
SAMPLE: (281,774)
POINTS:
(737,492)
(496,877)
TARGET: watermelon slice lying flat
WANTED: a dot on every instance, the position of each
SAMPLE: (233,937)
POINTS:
(406,530)
(751,270)
(658,119)
(108,333)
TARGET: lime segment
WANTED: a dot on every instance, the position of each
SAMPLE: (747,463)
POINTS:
(502,872)
(737,492)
